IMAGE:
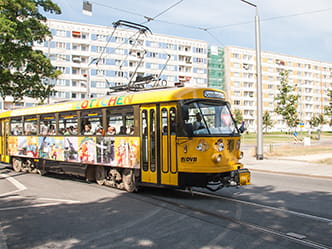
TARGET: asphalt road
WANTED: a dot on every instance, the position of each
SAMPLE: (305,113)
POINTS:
(276,211)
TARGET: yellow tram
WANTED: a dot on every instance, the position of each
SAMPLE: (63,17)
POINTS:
(175,137)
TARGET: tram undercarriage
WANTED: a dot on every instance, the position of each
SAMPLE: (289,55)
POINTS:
(121,178)
(126,178)
(215,181)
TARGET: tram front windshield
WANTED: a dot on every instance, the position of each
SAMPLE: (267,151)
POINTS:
(209,118)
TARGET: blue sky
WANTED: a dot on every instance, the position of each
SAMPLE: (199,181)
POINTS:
(294,27)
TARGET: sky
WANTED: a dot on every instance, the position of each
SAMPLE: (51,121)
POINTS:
(300,28)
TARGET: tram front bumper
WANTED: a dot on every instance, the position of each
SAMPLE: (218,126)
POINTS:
(243,176)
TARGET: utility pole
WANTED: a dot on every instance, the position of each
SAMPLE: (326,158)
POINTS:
(259,133)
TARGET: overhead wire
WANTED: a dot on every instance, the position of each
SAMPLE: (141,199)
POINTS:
(207,29)
(162,12)
(204,29)
(273,18)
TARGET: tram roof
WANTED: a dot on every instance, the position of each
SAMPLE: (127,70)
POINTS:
(121,99)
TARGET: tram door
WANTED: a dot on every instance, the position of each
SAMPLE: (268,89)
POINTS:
(158,146)
(4,140)
(169,172)
(149,162)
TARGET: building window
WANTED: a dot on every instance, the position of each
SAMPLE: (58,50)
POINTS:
(60,82)
(60,45)
(101,37)
(236,56)
(59,32)
(199,50)
(100,72)
(100,84)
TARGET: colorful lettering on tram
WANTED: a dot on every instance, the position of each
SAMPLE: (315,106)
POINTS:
(111,101)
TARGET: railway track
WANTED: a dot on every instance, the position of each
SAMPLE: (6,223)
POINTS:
(207,215)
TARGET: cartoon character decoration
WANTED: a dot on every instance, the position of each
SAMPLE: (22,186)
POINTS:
(119,152)
(70,149)
(51,148)
(87,150)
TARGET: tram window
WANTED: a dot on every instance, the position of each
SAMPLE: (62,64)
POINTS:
(144,130)
(120,122)
(172,117)
(16,126)
(164,121)
(30,125)
(152,141)
(47,125)
(129,119)
(68,123)
(91,123)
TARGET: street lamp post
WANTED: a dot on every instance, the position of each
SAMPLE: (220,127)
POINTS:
(259,149)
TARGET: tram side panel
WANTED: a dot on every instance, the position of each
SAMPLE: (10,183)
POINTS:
(109,151)
(4,130)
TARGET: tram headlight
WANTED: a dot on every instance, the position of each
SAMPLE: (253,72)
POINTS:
(216,158)
(241,154)
(219,145)
(202,145)
(238,144)
(199,147)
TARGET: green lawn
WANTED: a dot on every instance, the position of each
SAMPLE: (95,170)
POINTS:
(279,137)
(281,144)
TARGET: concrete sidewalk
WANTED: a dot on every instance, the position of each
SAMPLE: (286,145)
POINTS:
(295,165)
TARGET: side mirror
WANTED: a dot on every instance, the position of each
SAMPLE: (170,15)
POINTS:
(242,128)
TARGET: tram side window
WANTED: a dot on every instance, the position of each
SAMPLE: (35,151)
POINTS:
(164,121)
(16,126)
(30,125)
(172,117)
(47,125)
(120,122)
(91,123)
(168,116)
(68,123)
(144,131)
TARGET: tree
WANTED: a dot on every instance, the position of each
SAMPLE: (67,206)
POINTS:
(267,121)
(287,101)
(237,114)
(328,109)
(22,69)
(314,122)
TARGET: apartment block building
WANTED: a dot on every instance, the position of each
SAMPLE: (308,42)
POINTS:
(216,67)
(92,58)
(311,79)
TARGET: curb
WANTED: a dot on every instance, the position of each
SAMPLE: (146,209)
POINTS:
(290,173)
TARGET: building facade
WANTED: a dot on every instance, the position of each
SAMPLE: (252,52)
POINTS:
(310,78)
(216,67)
(92,58)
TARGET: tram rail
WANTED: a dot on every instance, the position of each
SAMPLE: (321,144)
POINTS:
(214,218)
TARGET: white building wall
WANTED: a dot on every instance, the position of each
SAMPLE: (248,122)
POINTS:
(74,46)
(311,78)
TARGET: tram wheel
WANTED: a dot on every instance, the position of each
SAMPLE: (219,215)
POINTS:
(128,179)
(100,175)
(17,165)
